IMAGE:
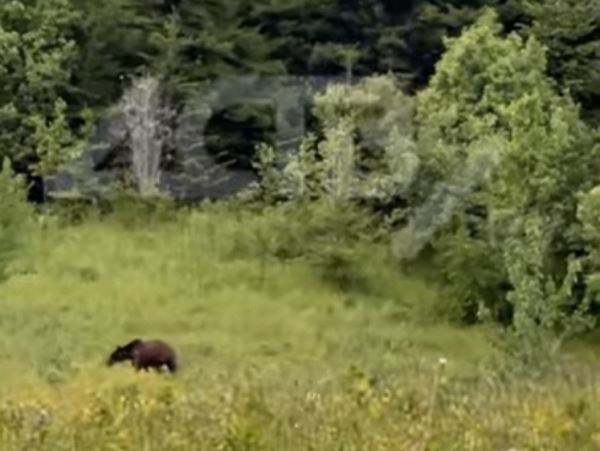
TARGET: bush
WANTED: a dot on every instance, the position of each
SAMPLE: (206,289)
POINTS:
(366,151)
(328,235)
(15,216)
(130,209)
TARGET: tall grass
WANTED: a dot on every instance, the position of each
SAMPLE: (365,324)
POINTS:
(251,411)
(281,349)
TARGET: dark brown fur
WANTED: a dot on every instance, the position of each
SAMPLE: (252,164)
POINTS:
(145,355)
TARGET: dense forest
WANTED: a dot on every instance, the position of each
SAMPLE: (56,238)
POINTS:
(366,224)
(85,53)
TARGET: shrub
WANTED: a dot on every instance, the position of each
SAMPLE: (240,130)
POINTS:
(15,216)
(366,151)
(130,209)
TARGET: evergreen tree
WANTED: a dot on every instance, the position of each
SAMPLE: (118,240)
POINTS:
(112,44)
(571,31)
(317,37)
(435,19)
(205,41)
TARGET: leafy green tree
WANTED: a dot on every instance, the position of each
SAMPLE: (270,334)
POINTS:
(568,28)
(366,152)
(489,86)
(37,60)
(434,20)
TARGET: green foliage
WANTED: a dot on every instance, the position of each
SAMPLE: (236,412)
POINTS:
(268,174)
(215,270)
(487,86)
(588,213)
(546,311)
(335,37)
(478,80)
(36,67)
(127,208)
(566,27)
(110,48)
(435,20)
(366,151)
(330,236)
(569,28)
(276,366)
(489,165)
(15,217)
(282,361)
(473,274)
(72,211)
(56,145)
(185,46)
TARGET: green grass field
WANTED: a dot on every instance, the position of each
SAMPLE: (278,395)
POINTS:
(274,356)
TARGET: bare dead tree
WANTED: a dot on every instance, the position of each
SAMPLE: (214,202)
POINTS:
(147,122)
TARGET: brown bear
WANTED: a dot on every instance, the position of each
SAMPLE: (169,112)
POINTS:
(145,355)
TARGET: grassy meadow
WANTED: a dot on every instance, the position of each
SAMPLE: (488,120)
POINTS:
(414,267)
(278,351)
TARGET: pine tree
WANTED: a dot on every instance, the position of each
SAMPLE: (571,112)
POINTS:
(571,31)
(435,19)
(315,37)
(111,44)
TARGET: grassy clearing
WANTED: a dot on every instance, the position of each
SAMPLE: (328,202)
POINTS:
(198,283)
(276,354)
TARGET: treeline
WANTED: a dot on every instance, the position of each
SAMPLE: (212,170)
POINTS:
(188,41)
(65,59)
(479,154)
